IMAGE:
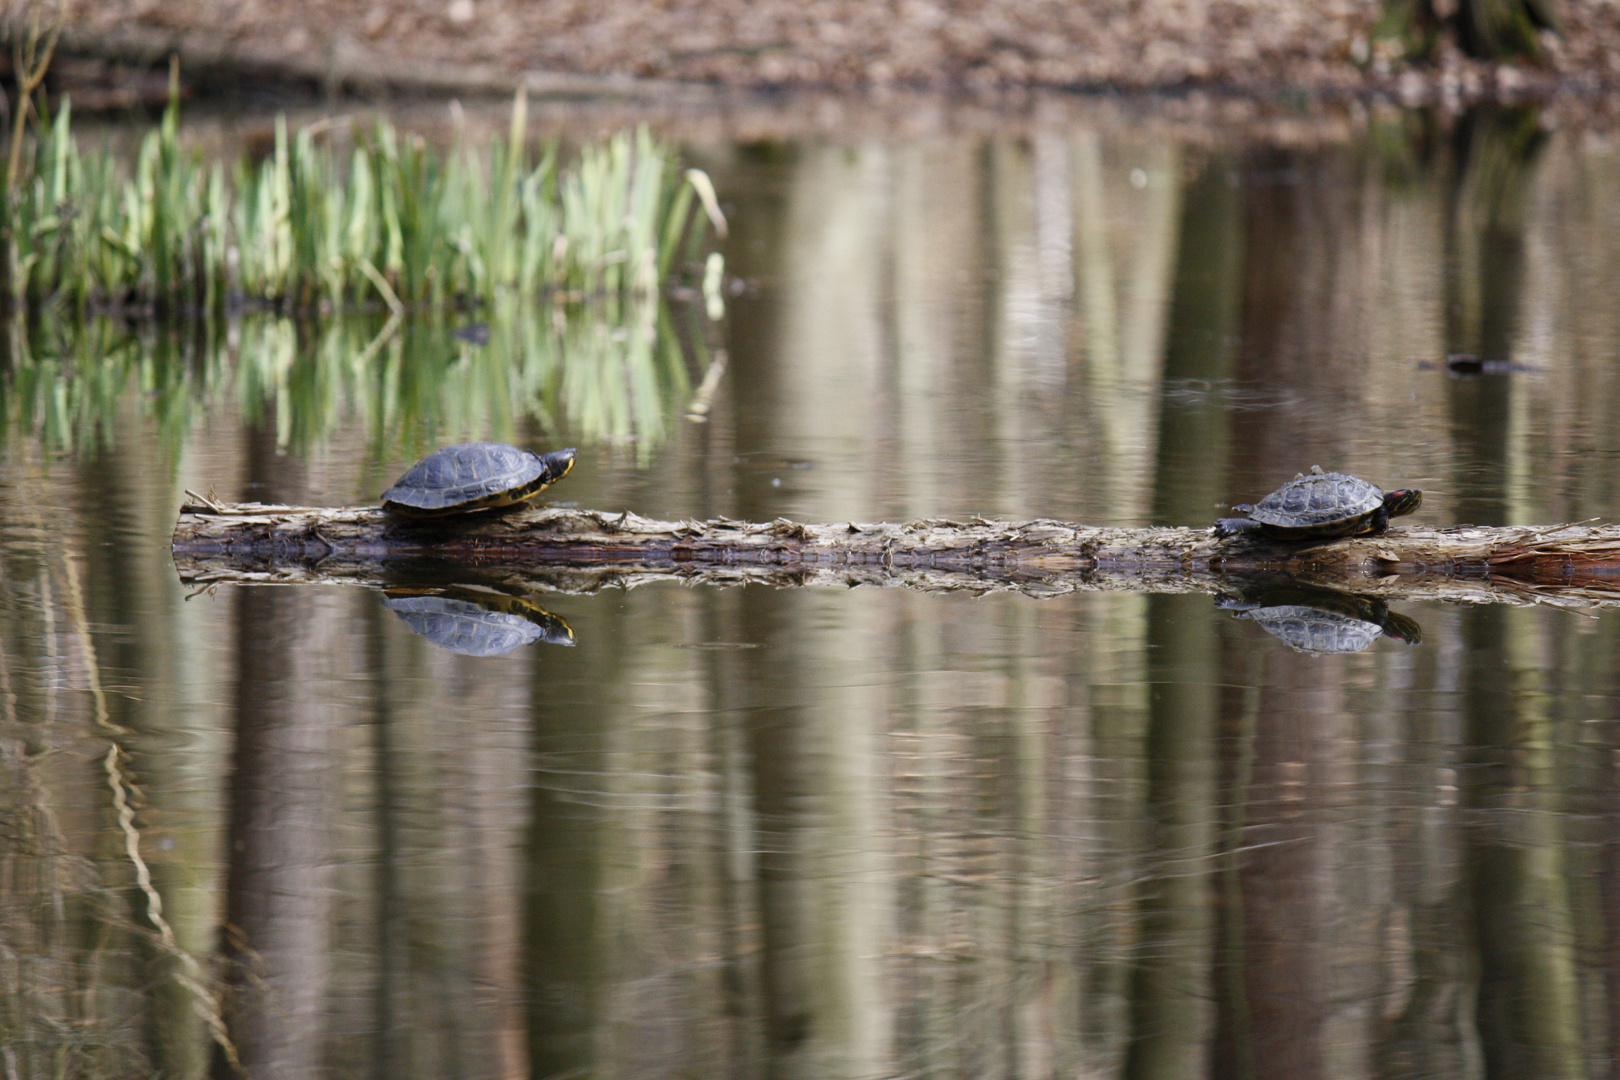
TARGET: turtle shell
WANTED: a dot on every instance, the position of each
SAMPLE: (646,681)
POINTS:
(1320,504)
(474,476)
(1314,630)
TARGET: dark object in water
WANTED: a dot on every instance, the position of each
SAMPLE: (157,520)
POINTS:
(1468,366)
(477,333)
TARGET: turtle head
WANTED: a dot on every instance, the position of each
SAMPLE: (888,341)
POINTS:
(557,463)
(1403,501)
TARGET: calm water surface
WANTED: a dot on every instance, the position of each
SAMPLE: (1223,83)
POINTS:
(866,832)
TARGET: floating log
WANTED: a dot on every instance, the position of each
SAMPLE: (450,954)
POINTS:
(574,550)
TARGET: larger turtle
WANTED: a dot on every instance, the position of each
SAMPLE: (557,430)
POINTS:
(474,476)
(1322,506)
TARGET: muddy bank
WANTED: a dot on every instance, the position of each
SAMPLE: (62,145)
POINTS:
(686,53)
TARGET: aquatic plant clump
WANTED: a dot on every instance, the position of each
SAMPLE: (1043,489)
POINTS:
(313,224)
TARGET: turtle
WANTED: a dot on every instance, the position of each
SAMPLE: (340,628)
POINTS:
(1322,506)
(474,476)
(473,622)
(1318,620)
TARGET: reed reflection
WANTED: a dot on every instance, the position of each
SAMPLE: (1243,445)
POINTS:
(612,371)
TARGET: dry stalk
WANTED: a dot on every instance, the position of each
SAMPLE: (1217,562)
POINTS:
(30,63)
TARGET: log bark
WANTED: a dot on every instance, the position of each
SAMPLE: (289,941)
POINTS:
(586,550)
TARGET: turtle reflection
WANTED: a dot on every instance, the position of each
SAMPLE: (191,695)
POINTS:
(1318,620)
(475,622)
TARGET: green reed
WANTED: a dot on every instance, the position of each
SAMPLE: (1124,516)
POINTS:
(332,218)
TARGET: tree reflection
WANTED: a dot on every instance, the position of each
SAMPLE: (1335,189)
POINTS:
(279,907)
(1529,1014)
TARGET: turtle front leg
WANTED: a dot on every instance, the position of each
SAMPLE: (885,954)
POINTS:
(1229,527)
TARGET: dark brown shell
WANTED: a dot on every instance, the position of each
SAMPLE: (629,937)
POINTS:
(1325,502)
(474,476)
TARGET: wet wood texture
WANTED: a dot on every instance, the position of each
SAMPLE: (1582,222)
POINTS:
(585,550)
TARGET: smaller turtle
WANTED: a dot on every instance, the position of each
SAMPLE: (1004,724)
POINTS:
(1322,506)
(474,476)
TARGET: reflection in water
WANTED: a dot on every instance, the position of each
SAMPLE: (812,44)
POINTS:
(473,622)
(614,370)
(281,899)
(1312,619)
(882,832)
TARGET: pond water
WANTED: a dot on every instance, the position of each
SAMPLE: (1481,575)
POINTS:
(868,832)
